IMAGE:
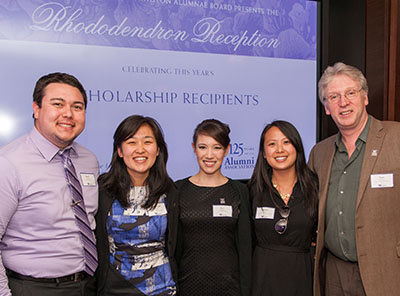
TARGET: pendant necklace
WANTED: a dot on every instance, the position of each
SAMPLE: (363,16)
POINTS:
(285,196)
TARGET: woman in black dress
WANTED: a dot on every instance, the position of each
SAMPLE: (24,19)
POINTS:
(284,204)
(214,240)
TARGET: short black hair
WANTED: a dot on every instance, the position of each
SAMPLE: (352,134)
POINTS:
(56,77)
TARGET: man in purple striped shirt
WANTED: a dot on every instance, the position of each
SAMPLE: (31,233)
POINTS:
(41,251)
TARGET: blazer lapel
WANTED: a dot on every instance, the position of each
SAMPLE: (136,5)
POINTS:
(326,165)
(372,150)
(324,173)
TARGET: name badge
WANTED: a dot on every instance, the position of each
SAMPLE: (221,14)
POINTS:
(382,180)
(88,179)
(265,213)
(222,211)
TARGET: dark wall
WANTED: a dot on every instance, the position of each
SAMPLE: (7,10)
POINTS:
(343,39)
(365,34)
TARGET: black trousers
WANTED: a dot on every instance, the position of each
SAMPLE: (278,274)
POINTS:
(85,287)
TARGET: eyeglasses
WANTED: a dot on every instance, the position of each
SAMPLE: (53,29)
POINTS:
(282,224)
(335,97)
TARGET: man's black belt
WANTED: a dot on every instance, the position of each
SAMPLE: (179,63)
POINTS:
(76,277)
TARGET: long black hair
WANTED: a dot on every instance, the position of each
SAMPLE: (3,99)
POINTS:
(262,174)
(117,180)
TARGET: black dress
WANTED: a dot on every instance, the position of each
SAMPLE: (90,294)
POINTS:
(209,262)
(282,263)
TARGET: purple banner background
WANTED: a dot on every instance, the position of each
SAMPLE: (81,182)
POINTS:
(268,28)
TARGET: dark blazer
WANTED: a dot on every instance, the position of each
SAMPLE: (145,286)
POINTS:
(377,221)
(105,203)
(243,235)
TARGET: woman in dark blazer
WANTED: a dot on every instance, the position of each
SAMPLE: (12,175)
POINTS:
(136,207)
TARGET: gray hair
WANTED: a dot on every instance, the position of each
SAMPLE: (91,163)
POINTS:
(340,69)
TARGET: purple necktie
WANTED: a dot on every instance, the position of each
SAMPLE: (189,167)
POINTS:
(81,218)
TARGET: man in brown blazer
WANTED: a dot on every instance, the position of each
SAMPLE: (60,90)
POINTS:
(358,240)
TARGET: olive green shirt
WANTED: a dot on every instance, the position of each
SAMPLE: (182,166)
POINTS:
(341,201)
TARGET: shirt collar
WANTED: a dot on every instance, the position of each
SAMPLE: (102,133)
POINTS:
(362,137)
(45,147)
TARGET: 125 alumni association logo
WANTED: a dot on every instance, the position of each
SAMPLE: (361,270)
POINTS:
(240,157)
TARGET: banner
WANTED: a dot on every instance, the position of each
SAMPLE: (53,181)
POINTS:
(245,63)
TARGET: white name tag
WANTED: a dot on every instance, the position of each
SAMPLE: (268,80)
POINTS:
(88,179)
(382,180)
(265,213)
(222,211)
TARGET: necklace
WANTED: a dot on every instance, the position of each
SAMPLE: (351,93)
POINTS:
(285,196)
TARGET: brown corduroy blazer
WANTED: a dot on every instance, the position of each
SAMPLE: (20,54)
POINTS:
(377,221)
